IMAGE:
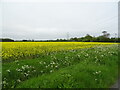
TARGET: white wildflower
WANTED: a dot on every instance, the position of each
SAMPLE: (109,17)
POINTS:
(51,71)
(8,70)
(41,71)
(95,79)
(19,80)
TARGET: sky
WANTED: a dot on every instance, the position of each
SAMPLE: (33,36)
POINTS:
(55,19)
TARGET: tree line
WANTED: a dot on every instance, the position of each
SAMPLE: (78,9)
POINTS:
(88,38)
(102,38)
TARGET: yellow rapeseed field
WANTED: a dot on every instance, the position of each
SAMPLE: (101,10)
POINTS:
(20,50)
(59,64)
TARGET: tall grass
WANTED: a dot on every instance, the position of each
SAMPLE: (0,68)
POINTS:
(95,67)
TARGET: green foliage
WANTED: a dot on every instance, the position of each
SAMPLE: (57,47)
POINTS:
(103,38)
(6,40)
(94,67)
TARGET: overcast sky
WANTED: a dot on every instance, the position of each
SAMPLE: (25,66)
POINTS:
(52,20)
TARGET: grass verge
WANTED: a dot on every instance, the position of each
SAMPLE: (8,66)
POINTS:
(83,68)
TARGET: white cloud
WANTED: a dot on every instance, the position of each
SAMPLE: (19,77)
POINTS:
(54,20)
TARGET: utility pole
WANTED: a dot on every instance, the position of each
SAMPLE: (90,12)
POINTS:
(68,35)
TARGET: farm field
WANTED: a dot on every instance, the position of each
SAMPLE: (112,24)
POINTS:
(59,64)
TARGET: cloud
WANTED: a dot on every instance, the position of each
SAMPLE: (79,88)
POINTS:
(19,31)
(54,20)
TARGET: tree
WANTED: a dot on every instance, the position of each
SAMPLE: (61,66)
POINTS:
(105,34)
(6,40)
(74,39)
(87,38)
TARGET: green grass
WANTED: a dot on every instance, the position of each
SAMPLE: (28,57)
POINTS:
(84,68)
(76,76)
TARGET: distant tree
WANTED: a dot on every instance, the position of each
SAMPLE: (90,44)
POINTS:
(57,40)
(105,34)
(24,40)
(87,38)
(32,40)
(6,40)
(102,39)
(79,39)
(94,39)
(74,39)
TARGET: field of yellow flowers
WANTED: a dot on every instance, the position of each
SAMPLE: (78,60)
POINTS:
(20,50)
(59,64)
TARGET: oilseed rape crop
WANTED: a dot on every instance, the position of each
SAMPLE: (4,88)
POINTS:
(59,64)
(20,50)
